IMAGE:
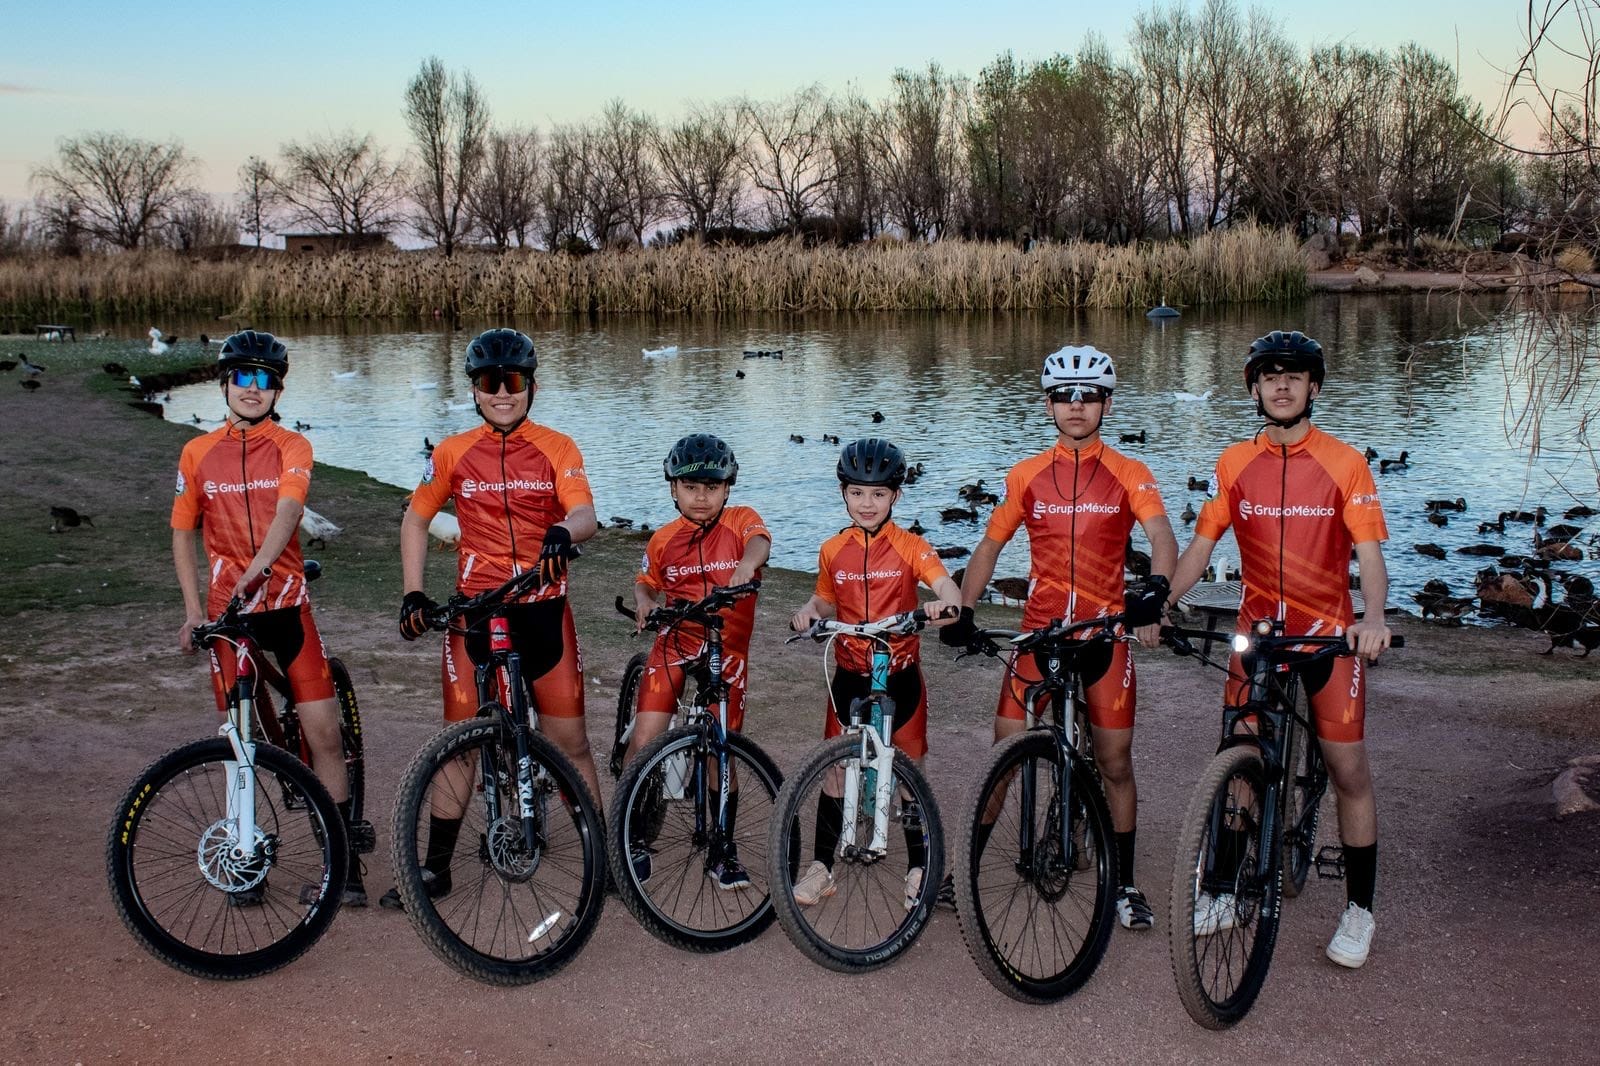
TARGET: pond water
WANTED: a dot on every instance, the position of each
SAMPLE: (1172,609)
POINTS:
(960,394)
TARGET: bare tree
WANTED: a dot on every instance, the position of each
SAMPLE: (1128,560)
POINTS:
(504,197)
(562,189)
(622,170)
(19,231)
(855,196)
(787,158)
(698,159)
(254,199)
(200,221)
(1164,52)
(919,145)
(117,188)
(1117,155)
(449,120)
(341,183)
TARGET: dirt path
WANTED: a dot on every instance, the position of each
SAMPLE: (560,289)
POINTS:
(1487,917)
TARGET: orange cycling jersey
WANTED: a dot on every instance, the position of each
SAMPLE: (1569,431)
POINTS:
(1079,507)
(229,483)
(1296,510)
(685,563)
(508,490)
(871,576)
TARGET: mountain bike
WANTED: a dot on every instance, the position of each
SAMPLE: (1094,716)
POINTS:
(228,858)
(883,883)
(694,798)
(498,846)
(1251,824)
(1035,869)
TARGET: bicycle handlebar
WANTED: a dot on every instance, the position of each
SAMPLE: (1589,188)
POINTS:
(1057,632)
(229,617)
(518,585)
(896,625)
(716,601)
(1263,639)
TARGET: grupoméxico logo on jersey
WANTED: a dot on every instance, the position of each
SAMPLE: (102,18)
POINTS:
(1296,510)
(516,484)
(841,576)
(1043,508)
(223,488)
(182,484)
(675,572)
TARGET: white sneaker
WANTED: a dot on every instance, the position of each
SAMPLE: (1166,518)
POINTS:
(1353,939)
(1214,914)
(913,887)
(816,886)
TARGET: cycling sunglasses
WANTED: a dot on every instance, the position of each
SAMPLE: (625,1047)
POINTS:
(247,377)
(1078,394)
(489,381)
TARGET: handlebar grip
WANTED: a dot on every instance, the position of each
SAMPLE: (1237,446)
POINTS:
(254,584)
(626,611)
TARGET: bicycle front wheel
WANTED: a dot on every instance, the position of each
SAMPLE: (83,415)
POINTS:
(506,900)
(674,867)
(627,708)
(195,900)
(1223,920)
(861,907)
(1036,894)
(1302,803)
(363,839)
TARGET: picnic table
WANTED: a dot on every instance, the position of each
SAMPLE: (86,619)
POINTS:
(62,333)
(1217,600)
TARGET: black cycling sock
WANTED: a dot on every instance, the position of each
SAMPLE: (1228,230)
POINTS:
(980,835)
(1125,856)
(442,833)
(1230,850)
(830,823)
(1361,873)
(916,840)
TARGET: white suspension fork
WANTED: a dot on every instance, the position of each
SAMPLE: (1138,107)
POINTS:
(241,794)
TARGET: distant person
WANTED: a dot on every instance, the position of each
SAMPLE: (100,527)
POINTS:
(245,484)
(1298,500)
(868,572)
(1079,501)
(522,499)
(710,545)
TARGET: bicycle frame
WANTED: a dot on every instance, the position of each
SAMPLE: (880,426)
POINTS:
(500,686)
(876,761)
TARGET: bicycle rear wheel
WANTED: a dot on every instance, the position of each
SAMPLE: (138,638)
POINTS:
(1223,920)
(198,907)
(627,707)
(656,813)
(509,913)
(875,906)
(1302,803)
(1035,919)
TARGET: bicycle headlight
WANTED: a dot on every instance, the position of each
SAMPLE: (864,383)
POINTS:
(1240,643)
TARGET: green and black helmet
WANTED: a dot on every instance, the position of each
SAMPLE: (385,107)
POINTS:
(703,457)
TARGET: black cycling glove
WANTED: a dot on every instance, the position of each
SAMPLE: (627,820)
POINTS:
(554,554)
(960,633)
(1142,604)
(414,611)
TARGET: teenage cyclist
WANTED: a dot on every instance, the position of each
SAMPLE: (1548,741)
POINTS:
(711,545)
(1079,501)
(523,501)
(1298,500)
(245,484)
(869,571)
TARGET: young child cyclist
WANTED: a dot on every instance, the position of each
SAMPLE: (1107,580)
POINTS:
(523,500)
(710,545)
(1079,501)
(871,570)
(245,484)
(1298,500)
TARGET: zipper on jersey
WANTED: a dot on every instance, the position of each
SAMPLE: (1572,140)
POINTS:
(505,500)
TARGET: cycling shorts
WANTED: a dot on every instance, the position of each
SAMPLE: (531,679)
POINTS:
(910,695)
(1110,686)
(1336,688)
(665,678)
(544,636)
(291,636)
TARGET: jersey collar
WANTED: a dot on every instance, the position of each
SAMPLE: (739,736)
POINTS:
(1088,451)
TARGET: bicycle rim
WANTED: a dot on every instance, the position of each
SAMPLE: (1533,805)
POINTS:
(1036,919)
(191,902)
(514,913)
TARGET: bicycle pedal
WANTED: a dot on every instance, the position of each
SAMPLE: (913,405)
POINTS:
(363,838)
(1330,862)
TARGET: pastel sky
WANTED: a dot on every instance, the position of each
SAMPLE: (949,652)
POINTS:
(234,80)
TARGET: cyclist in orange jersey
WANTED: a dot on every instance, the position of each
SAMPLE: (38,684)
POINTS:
(1079,501)
(1298,500)
(245,484)
(869,571)
(522,498)
(711,545)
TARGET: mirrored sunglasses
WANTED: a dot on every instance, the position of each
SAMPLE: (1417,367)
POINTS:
(247,377)
(1078,394)
(490,381)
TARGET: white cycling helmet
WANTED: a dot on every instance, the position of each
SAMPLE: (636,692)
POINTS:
(1085,365)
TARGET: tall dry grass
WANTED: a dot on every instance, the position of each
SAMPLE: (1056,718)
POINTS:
(1245,264)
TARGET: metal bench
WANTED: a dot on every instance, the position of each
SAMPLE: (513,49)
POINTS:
(60,333)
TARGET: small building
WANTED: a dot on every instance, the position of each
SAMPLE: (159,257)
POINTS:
(331,243)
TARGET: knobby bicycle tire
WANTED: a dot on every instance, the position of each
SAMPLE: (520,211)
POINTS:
(1219,975)
(1035,924)
(627,708)
(350,737)
(866,922)
(514,914)
(173,892)
(654,809)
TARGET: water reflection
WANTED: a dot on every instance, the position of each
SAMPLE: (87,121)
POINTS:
(959,393)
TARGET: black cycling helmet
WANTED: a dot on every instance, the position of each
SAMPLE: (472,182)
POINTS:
(507,348)
(703,457)
(872,461)
(1290,351)
(251,347)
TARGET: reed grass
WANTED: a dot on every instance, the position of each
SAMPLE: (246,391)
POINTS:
(1238,265)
